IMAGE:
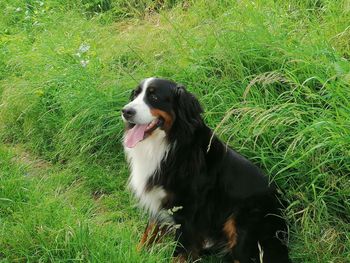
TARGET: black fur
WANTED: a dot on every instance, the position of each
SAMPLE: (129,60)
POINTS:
(187,116)
(214,185)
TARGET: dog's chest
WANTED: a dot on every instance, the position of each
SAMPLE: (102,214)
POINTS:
(145,159)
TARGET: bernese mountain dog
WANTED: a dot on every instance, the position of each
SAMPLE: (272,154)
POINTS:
(216,200)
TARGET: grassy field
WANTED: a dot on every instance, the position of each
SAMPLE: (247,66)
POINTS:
(274,79)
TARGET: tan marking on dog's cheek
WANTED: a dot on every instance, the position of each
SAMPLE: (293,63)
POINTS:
(168,118)
(230,232)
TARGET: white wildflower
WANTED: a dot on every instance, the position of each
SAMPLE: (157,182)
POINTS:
(84,62)
(84,48)
(174,210)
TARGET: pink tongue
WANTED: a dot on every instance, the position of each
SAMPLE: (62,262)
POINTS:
(134,135)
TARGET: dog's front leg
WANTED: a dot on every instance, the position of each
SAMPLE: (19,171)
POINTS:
(187,247)
(153,233)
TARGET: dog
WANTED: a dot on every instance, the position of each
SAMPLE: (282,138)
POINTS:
(184,176)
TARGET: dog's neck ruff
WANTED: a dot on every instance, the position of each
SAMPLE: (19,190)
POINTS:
(145,159)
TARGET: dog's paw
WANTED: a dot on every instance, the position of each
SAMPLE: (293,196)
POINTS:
(179,259)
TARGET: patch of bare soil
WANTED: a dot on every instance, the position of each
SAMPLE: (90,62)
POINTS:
(32,163)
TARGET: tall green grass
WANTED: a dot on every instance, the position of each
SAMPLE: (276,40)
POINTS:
(49,214)
(273,77)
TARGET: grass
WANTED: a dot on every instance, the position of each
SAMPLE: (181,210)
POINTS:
(273,77)
(56,215)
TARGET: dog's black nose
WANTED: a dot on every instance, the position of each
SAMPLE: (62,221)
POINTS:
(128,113)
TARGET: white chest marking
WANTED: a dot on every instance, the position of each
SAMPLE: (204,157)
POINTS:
(145,159)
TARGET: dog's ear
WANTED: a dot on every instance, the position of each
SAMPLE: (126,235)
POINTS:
(188,110)
(188,105)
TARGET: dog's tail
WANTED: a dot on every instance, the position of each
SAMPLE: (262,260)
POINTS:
(273,240)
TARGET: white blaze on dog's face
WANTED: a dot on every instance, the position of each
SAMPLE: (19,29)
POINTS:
(149,110)
(142,110)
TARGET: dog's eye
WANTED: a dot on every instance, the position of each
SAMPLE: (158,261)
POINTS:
(153,97)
